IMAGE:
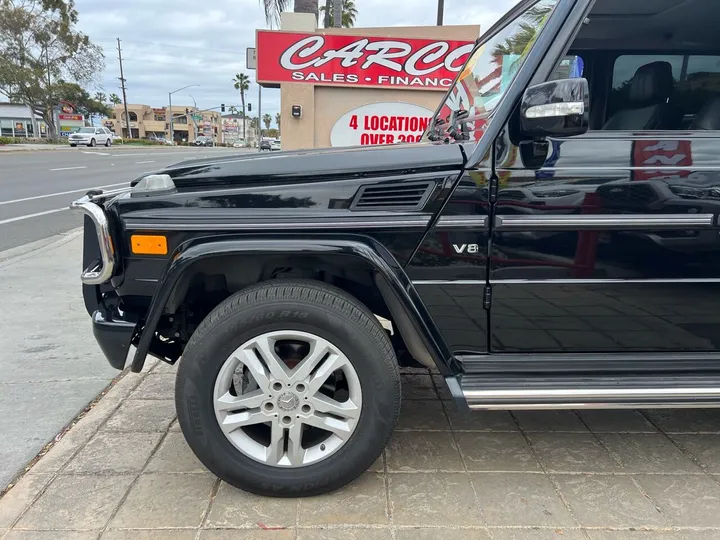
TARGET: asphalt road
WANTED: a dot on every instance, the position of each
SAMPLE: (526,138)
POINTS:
(36,187)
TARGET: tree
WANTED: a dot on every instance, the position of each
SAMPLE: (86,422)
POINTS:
(233,110)
(80,98)
(101,97)
(349,13)
(115,99)
(267,120)
(277,120)
(242,83)
(273,8)
(40,49)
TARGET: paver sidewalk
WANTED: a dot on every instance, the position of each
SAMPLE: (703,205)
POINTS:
(125,472)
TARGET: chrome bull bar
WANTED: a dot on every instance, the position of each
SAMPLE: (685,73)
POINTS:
(101,272)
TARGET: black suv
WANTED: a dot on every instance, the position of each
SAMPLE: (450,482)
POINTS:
(553,242)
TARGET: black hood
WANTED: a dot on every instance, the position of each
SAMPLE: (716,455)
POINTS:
(332,163)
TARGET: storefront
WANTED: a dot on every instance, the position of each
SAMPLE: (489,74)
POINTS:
(19,121)
(359,86)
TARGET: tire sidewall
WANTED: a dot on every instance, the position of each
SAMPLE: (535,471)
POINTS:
(196,381)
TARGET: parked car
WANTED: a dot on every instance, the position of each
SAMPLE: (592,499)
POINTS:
(91,136)
(265,145)
(203,141)
(268,275)
(275,145)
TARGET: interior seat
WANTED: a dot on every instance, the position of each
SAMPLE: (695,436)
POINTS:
(648,100)
(708,118)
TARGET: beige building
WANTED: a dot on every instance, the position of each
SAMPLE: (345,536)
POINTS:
(146,121)
(371,106)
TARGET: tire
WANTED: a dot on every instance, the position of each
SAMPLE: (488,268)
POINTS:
(298,306)
(108,142)
(73,145)
(92,142)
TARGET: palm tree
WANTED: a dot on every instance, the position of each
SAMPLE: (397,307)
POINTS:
(267,120)
(349,13)
(233,109)
(242,83)
(277,120)
(274,7)
(100,97)
(115,99)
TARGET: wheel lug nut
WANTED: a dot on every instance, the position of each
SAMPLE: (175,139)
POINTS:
(277,386)
(306,408)
(269,406)
(300,387)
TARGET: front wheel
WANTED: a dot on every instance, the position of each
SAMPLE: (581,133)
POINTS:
(108,142)
(92,142)
(288,389)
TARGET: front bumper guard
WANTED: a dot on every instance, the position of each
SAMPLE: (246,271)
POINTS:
(99,271)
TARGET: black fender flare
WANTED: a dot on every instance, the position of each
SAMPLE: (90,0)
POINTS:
(412,319)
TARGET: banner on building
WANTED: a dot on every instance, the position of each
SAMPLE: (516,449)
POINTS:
(381,123)
(343,60)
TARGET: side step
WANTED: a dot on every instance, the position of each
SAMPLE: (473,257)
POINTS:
(586,392)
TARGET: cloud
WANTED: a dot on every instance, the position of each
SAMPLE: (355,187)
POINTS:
(167,44)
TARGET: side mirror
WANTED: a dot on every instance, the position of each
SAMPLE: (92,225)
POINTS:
(556,109)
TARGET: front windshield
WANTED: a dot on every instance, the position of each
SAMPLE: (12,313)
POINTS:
(86,130)
(486,77)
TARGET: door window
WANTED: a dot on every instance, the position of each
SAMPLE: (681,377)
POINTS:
(696,82)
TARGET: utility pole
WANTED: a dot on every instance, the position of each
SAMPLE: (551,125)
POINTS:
(337,13)
(441,8)
(259,116)
(122,85)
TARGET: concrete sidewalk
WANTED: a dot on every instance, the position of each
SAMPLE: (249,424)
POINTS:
(50,364)
(125,472)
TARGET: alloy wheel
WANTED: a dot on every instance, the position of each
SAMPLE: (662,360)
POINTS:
(287,398)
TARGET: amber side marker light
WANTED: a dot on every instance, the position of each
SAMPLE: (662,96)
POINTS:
(142,244)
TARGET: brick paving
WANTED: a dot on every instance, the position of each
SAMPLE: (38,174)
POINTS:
(124,472)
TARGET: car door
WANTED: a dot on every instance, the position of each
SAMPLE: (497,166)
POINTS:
(450,267)
(610,244)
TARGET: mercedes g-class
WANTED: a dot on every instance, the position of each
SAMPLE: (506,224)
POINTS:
(552,242)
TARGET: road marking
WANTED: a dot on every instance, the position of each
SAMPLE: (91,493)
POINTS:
(61,193)
(97,153)
(69,168)
(139,162)
(37,214)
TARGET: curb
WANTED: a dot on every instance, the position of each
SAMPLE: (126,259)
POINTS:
(16,254)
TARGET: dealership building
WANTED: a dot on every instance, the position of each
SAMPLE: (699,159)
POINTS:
(358,86)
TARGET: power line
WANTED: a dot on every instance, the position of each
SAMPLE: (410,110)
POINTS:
(229,51)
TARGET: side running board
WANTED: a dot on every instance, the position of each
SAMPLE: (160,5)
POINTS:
(582,392)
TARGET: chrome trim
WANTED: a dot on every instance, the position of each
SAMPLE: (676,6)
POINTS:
(597,405)
(642,222)
(590,397)
(342,223)
(100,273)
(451,222)
(578,281)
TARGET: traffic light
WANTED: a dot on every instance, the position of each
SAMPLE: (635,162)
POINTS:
(249,107)
(187,111)
(222,107)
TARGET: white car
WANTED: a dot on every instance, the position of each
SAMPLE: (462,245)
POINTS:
(91,136)
(275,145)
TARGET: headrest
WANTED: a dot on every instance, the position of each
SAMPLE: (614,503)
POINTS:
(708,117)
(652,83)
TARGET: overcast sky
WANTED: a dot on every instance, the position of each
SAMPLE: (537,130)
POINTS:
(168,44)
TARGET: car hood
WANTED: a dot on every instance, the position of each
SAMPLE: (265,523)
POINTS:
(330,163)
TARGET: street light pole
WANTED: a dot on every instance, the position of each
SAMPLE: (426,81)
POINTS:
(172,134)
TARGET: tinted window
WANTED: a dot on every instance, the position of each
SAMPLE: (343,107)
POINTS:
(696,80)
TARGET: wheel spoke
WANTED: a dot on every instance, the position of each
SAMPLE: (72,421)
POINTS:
(332,363)
(277,443)
(320,349)
(325,404)
(246,418)
(256,368)
(295,451)
(341,428)
(228,402)
(266,347)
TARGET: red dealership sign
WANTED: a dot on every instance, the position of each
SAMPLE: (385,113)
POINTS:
(338,59)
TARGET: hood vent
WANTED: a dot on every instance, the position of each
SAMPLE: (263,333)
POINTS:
(404,196)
